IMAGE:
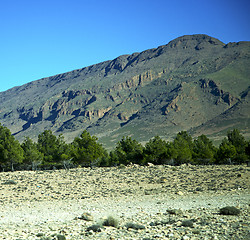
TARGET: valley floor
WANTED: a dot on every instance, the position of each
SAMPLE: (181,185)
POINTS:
(165,202)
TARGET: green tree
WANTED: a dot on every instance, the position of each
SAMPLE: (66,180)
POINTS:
(203,150)
(127,151)
(53,148)
(11,152)
(87,151)
(158,151)
(32,156)
(247,150)
(240,144)
(183,144)
(185,136)
(226,152)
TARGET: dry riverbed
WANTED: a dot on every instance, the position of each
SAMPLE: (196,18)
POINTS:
(151,202)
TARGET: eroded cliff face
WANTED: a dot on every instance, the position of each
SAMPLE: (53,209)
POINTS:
(211,87)
(178,86)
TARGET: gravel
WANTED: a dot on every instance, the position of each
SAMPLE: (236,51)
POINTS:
(167,202)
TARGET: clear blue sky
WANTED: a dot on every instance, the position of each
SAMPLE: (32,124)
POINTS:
(41,38)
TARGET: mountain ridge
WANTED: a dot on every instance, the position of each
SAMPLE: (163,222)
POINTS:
(178,86)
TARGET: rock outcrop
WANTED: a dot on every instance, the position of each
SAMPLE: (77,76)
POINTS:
(182,85)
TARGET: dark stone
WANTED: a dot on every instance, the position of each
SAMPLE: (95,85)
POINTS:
(10,182)
(134,226)
(162,222)
(40,234)
(175,211)
(86,217)
(196,231)
(187,223)
(203,223)
(229,210)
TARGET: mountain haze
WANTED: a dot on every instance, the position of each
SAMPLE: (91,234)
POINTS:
(195,83)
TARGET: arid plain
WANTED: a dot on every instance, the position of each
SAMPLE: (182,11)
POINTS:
(146,202)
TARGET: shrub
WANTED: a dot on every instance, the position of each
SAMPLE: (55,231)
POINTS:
(229,211)
(95,228)
(110,221)
(187,223)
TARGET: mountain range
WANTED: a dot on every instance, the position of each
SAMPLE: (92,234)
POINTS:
(194,83)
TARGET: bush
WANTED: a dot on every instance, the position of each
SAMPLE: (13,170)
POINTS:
(95,228)
(229,210)
(110,221)
(187,223)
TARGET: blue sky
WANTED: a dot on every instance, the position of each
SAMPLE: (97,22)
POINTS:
(41,38)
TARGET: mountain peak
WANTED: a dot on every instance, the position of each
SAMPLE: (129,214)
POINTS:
(194,40)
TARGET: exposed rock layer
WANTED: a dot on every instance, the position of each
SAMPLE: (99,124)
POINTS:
(184,85)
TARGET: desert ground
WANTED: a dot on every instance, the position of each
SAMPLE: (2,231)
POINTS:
(137,202)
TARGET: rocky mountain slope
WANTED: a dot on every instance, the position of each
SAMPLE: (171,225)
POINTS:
(195,83)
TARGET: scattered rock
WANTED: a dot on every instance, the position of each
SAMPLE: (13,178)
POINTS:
(87,217)
(163,180)
(175,211)
(134,226)
(180,193)
(40,235)
(43,205)
(10,182)
(162,222)
(196,231)
(229,210)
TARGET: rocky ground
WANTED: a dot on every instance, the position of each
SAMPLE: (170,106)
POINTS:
(151,202)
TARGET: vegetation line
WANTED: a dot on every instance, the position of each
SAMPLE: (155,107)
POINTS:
(51,152)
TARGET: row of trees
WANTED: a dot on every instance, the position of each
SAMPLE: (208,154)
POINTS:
(234,149)
(51,151)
